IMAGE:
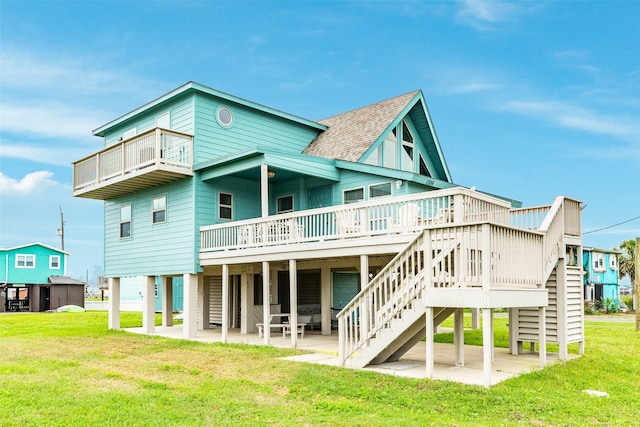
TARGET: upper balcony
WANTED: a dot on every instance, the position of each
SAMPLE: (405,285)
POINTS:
(154,157)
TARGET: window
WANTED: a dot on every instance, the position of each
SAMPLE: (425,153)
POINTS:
(424,170)
(25,261)
(54,262)
(224,117)
(613,261)
(407,149)
(598,262)
(380,190)
(128,134)
(389,151)
(159,209)
(374,157)
(125,221)
(164,120)
(284,204)
(225,206)
(354,195)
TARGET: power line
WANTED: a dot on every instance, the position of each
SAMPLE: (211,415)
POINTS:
(611,226)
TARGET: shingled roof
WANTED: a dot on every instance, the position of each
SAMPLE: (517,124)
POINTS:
(350,134)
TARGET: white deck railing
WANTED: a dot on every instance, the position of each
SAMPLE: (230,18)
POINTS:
(443,257)
(382,216)
(155,146)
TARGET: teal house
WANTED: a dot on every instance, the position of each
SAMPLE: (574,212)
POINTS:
(601,275)
(33,279)
(349,226)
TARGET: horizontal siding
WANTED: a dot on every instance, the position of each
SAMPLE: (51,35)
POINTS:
(39,274)
(215,300)
(153,249)
(528,322)
(250,128)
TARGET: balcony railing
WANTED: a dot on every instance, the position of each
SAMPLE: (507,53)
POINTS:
(384,216)
(167,150)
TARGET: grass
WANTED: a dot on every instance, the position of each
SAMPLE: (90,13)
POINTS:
(67,369)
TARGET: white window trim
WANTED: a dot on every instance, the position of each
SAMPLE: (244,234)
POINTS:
(293,201)
(598,262)
(120,222)
(164,116)
(377,184)
(220,205)
(153,210)
(220,122)
(130,133)
(346,190)
(26,257)
(51,258)
(613,262)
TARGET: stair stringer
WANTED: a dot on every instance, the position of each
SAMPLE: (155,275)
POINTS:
(411,337)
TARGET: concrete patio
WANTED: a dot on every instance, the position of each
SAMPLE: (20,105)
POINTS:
(323,350)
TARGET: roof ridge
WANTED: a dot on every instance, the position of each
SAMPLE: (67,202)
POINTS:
(414,92)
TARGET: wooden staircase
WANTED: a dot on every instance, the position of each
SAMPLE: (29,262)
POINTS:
(388,317)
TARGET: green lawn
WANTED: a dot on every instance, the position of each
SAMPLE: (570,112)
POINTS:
(67,369)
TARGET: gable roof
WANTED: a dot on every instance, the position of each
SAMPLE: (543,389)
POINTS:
(34,244)
(350,134)
(199,88)
(64,280)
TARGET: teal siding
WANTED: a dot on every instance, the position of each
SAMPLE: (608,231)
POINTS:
(181,112)
(250,129)
(152,249)
(40,274)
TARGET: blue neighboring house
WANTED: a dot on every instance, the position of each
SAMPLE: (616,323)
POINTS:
(601,275)
(259,211)
(33,279)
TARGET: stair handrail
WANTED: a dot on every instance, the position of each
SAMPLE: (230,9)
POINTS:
(553,229)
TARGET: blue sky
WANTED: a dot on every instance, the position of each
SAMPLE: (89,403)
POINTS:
(530,100)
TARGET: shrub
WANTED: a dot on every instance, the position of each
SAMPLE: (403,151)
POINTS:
(627,300)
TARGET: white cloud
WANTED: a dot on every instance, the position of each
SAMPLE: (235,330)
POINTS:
(33,182)
(481,14)
(50,155)
(473,87)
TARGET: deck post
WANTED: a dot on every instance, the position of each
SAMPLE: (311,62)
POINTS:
(429,359)
(487,345)
(266,301)
(114,303)
(364,281)
(149,305)
(167,301)
(513,331)
(325,299)
(247,322)
(204,292)
(225,302)
(458,335)
(190,301)
(475,318)
(293,301)
(542,338)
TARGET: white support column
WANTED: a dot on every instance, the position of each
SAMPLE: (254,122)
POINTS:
(364,281)
(485,243)
(264,190)
(487,345)
(561,310)
(542,338)
(233,283)
(513,331)
(225,302)
(293,301)
(204,301)
(167,301)
(325,299)
(149,305)
(190,301)
(475,318)
(458,336)
(266,301)
(247,323)
(429,359)
(114,303)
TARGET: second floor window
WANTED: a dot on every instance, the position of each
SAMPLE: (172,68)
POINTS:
(125,221)
(380,190)
(25,261)
(613,261)
(54,262)
(598,262)
(225,206)
(159,209)
(353,196)
(284,204)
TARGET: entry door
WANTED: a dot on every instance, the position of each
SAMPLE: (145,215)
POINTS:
(44,298)
(345,288)
(319,197)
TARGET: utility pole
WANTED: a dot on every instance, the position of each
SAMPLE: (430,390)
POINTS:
(61,229)
(637,284)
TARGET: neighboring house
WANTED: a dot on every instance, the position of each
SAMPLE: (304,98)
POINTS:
(32,279)
(260,211)
(601,275)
